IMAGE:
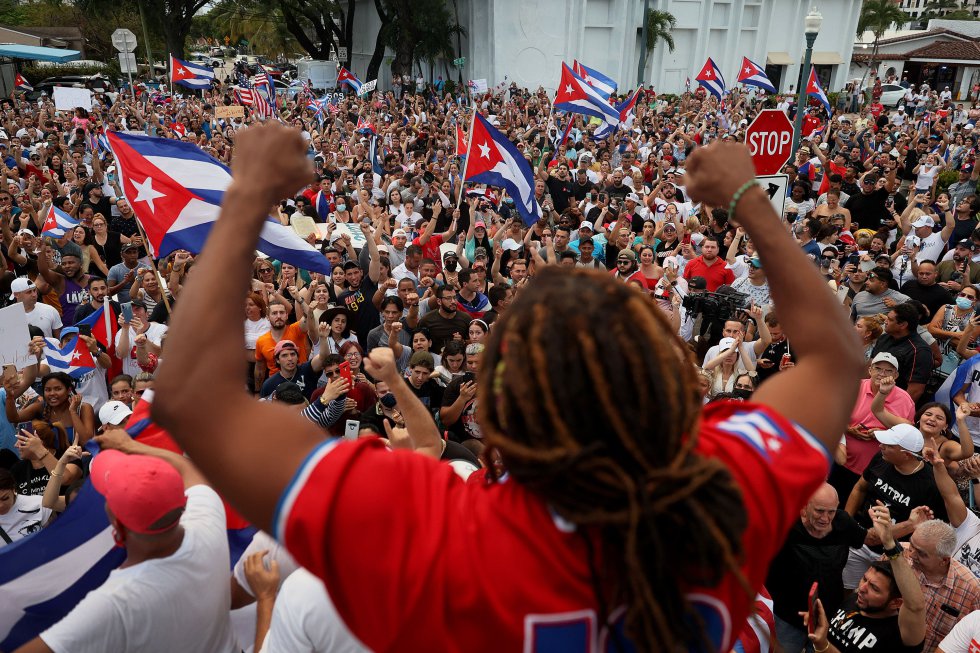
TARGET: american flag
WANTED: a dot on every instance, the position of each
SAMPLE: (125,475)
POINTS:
(253,97)
(262,79)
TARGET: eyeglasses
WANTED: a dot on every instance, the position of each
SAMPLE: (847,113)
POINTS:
(264,270)
(623,261)
(873,276)
(331,373)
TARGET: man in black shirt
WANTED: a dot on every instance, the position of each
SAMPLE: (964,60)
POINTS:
(582,186)
(443,324)
(559,186)
(815,551)
(902,341)
(869,207)
(925,289)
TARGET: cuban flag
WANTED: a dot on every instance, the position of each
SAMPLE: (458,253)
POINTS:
(959,379)
(627,113)
(178,129)
(190,75)
(316,106)
(374,153)
(57,223)
(759,632)
(813,90)
(710,78)
(103,329)
(603,83)
(460,141)
(364,126)
(323,204)
(74,359)
(752,74)
(45,575)
(566,131)
(22,84)
(575,96)
(176,191)
(496,162)
(347,77)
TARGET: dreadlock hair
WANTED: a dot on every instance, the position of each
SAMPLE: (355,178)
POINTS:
(623,468)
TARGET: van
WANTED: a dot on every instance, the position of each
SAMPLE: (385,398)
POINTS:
(322,74)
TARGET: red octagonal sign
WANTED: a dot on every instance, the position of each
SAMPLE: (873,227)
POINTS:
(770,140)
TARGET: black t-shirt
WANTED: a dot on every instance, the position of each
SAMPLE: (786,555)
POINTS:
(364,315)
(774,354)
(430,394)
(900,492)
(442,328)
(579,191)
(30,481)
(618,192)
(934,296)
(913,354)
(305,378)
(465,426)
(804,560)
(868,210)
(852,632)
(560,191)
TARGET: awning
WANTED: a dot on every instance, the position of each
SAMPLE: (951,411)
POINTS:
(779,59)
(37,53)
(826,59)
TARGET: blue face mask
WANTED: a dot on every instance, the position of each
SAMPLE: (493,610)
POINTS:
(388,400)
(341,207)
(963,303)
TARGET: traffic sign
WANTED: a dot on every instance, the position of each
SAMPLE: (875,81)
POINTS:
(342,54)
(775,187)
(770,140)
(124,40)
(127,62)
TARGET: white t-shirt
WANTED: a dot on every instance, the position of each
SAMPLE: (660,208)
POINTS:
(304,620)
(965,636)
(255,329)
(747,347)
(262,541)
(177,603)
(26,516)
(154,333)
(968,543)
(44,317)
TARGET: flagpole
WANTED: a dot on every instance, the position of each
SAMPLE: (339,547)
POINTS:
(107,316)
(469,145)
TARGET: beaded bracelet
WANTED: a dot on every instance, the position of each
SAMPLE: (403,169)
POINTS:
(737,196)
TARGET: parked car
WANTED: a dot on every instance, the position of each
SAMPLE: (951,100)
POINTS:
(891,94)
(209,61)
(95,83)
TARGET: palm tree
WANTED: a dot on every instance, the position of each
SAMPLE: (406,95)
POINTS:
(659,26)
(938,9)
(877,16)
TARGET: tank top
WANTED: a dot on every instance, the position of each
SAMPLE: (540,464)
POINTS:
(851,631)
(70,298)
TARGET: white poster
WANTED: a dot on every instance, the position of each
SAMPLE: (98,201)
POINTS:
(14,337)
(68,99)
(367,87)
(478,85)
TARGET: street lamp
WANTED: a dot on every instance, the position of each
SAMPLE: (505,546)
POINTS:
(810,30)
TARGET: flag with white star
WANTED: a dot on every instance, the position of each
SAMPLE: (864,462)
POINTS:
(74,359)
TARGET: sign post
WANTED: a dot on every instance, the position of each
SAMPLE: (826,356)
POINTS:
(770,140)
(125,42)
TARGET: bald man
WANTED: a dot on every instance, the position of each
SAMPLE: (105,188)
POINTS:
(815,551)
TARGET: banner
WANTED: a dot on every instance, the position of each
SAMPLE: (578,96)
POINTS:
(68,99)
(367,87)
(233,111)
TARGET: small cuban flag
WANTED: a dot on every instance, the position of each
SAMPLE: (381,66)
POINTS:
(190,75)
(57,223)
(813,90)
(22,84)
(752,74)
(74,359)
(323,204)
(710,78)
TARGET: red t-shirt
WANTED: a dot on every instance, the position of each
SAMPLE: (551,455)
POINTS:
(810,124)
(716,274)
(431,249)
(390,532)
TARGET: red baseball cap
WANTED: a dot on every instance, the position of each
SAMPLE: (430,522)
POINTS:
(284,344)
(139,490)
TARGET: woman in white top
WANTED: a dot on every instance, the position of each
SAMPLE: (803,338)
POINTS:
(395,201)
(730,362)
(340,333)
(256,323)
(926,173)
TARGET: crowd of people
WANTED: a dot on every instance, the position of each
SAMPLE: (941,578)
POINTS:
(579,349)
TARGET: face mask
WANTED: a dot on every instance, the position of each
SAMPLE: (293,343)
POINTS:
(388,400)
(451,264)
(341,207)
(963,303)
(742,393)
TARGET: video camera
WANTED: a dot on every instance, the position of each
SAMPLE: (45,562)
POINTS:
(722,305)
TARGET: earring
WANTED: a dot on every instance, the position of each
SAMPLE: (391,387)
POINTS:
(118,538)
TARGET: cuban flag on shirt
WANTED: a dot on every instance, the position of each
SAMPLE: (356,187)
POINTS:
(496,162)
(347,77)
(576,96)
(364,126)
(813,90)
(22,84)
(74,359)
(603,83)
(57,223)
(323,204)
(176,191)
(190,75)
(711,79)
(45,575)
(752,74)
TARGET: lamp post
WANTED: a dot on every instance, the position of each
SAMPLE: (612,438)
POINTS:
(810,30)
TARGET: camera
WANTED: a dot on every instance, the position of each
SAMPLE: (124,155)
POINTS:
(721,305)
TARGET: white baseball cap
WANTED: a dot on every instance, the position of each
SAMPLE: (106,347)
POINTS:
(114,412)
(905,436)
(510,244)
(885,357)
(924,221)
(725,343)
(21,284)
(586,225)
(633,197)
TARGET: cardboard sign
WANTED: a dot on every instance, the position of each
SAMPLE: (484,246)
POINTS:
(233,111)
(68,99)
(14,337)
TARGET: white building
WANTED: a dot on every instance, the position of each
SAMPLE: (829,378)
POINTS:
(526,40)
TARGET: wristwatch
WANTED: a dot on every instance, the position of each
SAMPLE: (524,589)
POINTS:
(895,551)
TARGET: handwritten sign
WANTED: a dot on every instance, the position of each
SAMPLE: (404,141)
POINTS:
(68,99)
(14,337)
(354,231)
(233,111)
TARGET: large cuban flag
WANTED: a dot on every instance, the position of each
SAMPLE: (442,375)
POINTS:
(176,191)
(576,96)
(496,162)
(602,83)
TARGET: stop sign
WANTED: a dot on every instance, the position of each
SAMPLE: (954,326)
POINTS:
(770,140)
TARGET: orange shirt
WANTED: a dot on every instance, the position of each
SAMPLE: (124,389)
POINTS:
(266,345)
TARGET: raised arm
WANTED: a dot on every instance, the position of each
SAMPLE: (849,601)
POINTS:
(827,350)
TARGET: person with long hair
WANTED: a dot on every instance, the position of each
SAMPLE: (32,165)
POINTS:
(59,403)
(869,328)
(630,513)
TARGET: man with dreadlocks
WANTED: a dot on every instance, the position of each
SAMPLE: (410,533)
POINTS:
(629,519)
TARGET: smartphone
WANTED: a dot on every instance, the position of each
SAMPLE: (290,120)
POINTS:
(345,373)
(25,426)
(811,607)
(351,429)
(127,311)
(854,259)
(687,239)
(468,376)
(85,330)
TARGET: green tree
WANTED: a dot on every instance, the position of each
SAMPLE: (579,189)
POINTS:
(265,30)
(172,19)
(877,16)
(319,24)
(417,30)
(659,26)
(938,9)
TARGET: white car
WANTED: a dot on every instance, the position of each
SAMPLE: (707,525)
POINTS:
(891,94)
